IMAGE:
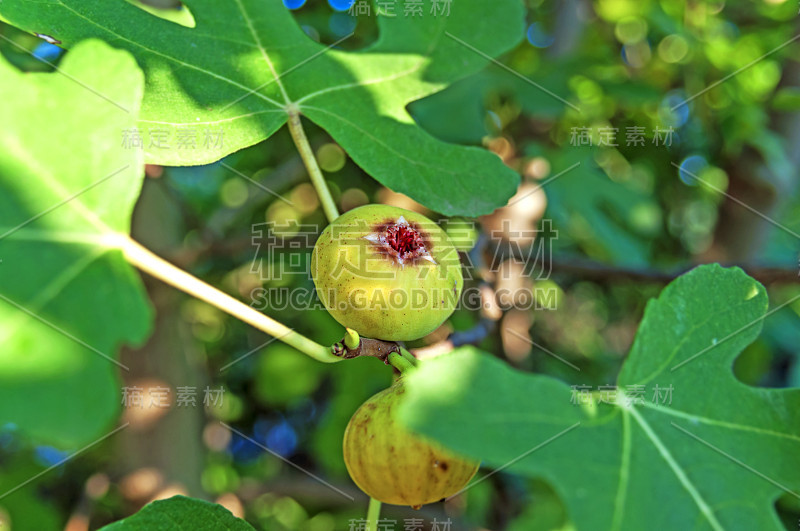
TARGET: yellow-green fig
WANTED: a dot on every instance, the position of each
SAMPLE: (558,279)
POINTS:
(387,273)
(395,466)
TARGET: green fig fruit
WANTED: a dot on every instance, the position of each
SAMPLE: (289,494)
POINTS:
(387,273)
(395,466)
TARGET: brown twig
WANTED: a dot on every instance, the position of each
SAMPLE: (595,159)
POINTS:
(596,271)
(375,348)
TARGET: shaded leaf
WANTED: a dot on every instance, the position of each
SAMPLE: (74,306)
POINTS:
(597,213)
(459,114)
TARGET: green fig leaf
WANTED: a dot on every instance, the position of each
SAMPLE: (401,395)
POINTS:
(600,215)
(68,298)
(180,513)
(697,450)
(231,81)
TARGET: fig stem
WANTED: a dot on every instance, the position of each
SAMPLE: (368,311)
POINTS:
(399,362)
(307,154)
(408,356)
(373,514)
(159,268)
(354,346)
(351,339)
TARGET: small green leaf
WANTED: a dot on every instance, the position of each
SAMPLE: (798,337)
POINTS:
(68,298)
(231,81)
(787,99)
(180,513)
(714,456)
(597,213)
(459,114)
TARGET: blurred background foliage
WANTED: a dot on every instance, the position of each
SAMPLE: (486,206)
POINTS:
(631,216)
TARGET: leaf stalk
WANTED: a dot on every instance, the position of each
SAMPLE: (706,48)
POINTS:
(310,161)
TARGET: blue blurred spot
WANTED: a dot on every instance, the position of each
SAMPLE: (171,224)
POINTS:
(624,54)
(692,165)
(7,437)
(282,439)
(311,32)
(342,24)
(730,30)
(538,37)
(47,52)
(495,120)
(674,109)
(304,411)
(261,429)
(198,180)
(242,449)
(49,456)
(341,5)
(294,4)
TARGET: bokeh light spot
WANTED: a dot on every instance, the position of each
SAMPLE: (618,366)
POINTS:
(538,37)
(690,167)
(673,48)
(294,4)
(341,5)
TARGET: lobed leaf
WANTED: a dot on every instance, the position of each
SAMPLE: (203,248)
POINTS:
(68,298)
(715,456)
(231,81)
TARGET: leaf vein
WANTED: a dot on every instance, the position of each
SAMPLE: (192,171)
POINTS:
(678,471)
(169,57)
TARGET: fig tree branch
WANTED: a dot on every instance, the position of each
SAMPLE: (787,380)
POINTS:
(389,352)
(589,270)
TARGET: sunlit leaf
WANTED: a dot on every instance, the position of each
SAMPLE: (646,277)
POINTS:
(231,81)
(68,299)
